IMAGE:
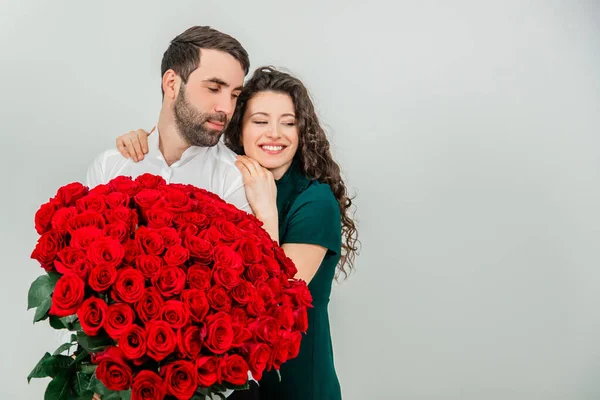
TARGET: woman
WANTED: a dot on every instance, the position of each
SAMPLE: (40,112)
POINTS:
(294,187)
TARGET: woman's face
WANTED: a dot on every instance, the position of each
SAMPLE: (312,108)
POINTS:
(269,131)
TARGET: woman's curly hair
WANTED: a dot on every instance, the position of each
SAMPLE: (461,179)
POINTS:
(313,154)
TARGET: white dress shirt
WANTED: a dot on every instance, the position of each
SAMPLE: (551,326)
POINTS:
(211,168)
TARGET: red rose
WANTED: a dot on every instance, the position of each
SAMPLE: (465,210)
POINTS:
(148,264)
(299,292)
(241,335)
(169,281)
(176,200)
(212,235)
(119,317)
(234,369)
(70,193)
(102,277)
(146,198)
(288,265)
(159,218)
(170,237)
(285,317)
(286,348)
(147,385)
(196,302)
(132,251)
(124,214)
(74,261)
(106,251)
(198,277)
(117,230)
(219,299)
(249,250)
(225,255)
(43,216)
(265,293)
(189,341)
(161,340)
(256,306)
(133,342)
(116,199)
(243,293)
(92,314)
(124,184)
(219,333)
(150,305)
(61,217)
(100,189)
(187,230)
(47,248)
(228,231)
(112,370)
(176,256)
(259,355)
(175,314)
(226,276)
(67,296)
(257,273)
(129,286)
(181,379)
(271,266)
(200,249)
(275,286)
(265,328)
(90,219)
(84,237)
(92,202)
(149,181)
(151,241)
(199,220)
(300,319)
(239,316)
(208,371)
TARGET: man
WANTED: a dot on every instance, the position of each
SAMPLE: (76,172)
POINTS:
(203,72)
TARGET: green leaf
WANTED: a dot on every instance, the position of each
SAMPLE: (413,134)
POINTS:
(125,394)
(54,277)
(63,347)
(82,381)
(59,387)
(94,344)
(40,290)
(87,368)
(41,312)
(56,323)
(231,386)
(68,320)
(73,338)
(80,357)
(56,364)
(39,370)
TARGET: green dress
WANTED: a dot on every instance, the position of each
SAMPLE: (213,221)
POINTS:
(309,213)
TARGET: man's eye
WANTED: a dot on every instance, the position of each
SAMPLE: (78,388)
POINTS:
(214,90)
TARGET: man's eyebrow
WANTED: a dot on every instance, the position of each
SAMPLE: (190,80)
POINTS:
(221,82)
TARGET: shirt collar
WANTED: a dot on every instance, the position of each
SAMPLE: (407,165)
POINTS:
(155,153)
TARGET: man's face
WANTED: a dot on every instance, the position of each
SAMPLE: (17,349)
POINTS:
(204,106)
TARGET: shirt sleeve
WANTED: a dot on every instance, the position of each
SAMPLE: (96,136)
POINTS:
(315,219)
(95,172)
(236,195)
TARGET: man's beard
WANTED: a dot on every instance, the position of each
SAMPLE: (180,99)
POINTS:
(190,123)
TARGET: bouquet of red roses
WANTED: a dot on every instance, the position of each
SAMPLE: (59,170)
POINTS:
(170,293)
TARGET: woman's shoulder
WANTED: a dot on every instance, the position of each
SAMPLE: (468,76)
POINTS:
(317,196)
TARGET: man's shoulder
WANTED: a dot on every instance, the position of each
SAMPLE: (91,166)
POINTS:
(223,154)
(110,156)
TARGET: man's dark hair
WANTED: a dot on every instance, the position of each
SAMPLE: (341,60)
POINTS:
(183,54)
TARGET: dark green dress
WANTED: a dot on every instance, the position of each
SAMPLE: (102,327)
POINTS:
(309,213)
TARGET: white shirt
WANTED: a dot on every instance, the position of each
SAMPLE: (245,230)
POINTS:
(211,168)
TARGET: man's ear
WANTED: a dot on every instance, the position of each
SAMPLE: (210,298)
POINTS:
(170,84)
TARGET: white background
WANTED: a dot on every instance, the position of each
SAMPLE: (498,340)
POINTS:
(469,130)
